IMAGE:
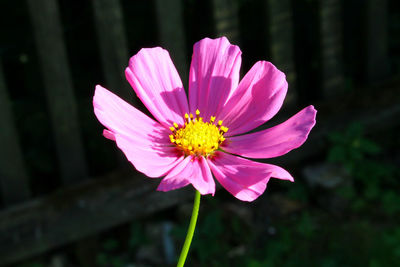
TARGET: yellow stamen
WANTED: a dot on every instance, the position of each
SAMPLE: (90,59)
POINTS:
(224,129)
(197,137)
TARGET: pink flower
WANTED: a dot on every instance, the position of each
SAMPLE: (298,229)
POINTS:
(190,141)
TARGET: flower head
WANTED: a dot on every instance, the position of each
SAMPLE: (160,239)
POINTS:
(190,141)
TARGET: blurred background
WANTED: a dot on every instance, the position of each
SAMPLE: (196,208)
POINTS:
(68,197)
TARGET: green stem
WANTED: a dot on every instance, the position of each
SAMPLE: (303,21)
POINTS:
(190,232)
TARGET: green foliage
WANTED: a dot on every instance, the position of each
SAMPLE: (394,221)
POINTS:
(137,237)
(372,177)
(298,192)
(209,242)
(391,202)
(353,243)
(114,254)
(107,256)
(306,225)
(392,239)
(351,147)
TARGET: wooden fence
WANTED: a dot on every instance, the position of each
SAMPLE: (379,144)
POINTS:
(83,206)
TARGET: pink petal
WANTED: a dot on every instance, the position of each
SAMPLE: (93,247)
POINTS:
(244,179)
(202,179)
(156,82)
(154,161)
(191,170)
(178,177)
(257,99)
(275,141)
(144,141)
(120,117)
(214,75)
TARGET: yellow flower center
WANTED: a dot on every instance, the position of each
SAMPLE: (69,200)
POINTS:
(197,137)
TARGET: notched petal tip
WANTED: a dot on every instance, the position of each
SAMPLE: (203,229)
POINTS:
(147,51)
(312,109)
(312,113)
(98,90)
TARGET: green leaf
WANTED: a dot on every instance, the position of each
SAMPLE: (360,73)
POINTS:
(369,147)
(337,154)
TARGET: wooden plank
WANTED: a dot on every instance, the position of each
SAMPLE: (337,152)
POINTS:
(59,90)
(377,67)
(80,211)
(14,181)
(172,34)
(331,48)
(109,22)
(96,205)
(226,19)
(282,43)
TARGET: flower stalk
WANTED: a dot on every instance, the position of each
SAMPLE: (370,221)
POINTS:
(190,232)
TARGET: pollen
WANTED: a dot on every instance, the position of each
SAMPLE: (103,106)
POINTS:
(198,137)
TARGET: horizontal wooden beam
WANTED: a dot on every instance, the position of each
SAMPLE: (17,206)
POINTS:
(79,211)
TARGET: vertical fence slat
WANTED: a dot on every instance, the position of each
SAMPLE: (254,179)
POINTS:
(111,34)
(59,90)
(226,19)
(331,47)
(377,40)
(13,174)
(281,36)
(172,33)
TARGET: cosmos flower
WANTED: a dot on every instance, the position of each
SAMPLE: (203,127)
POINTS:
(191,139)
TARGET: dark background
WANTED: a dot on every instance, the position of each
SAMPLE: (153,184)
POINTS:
(69,198)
